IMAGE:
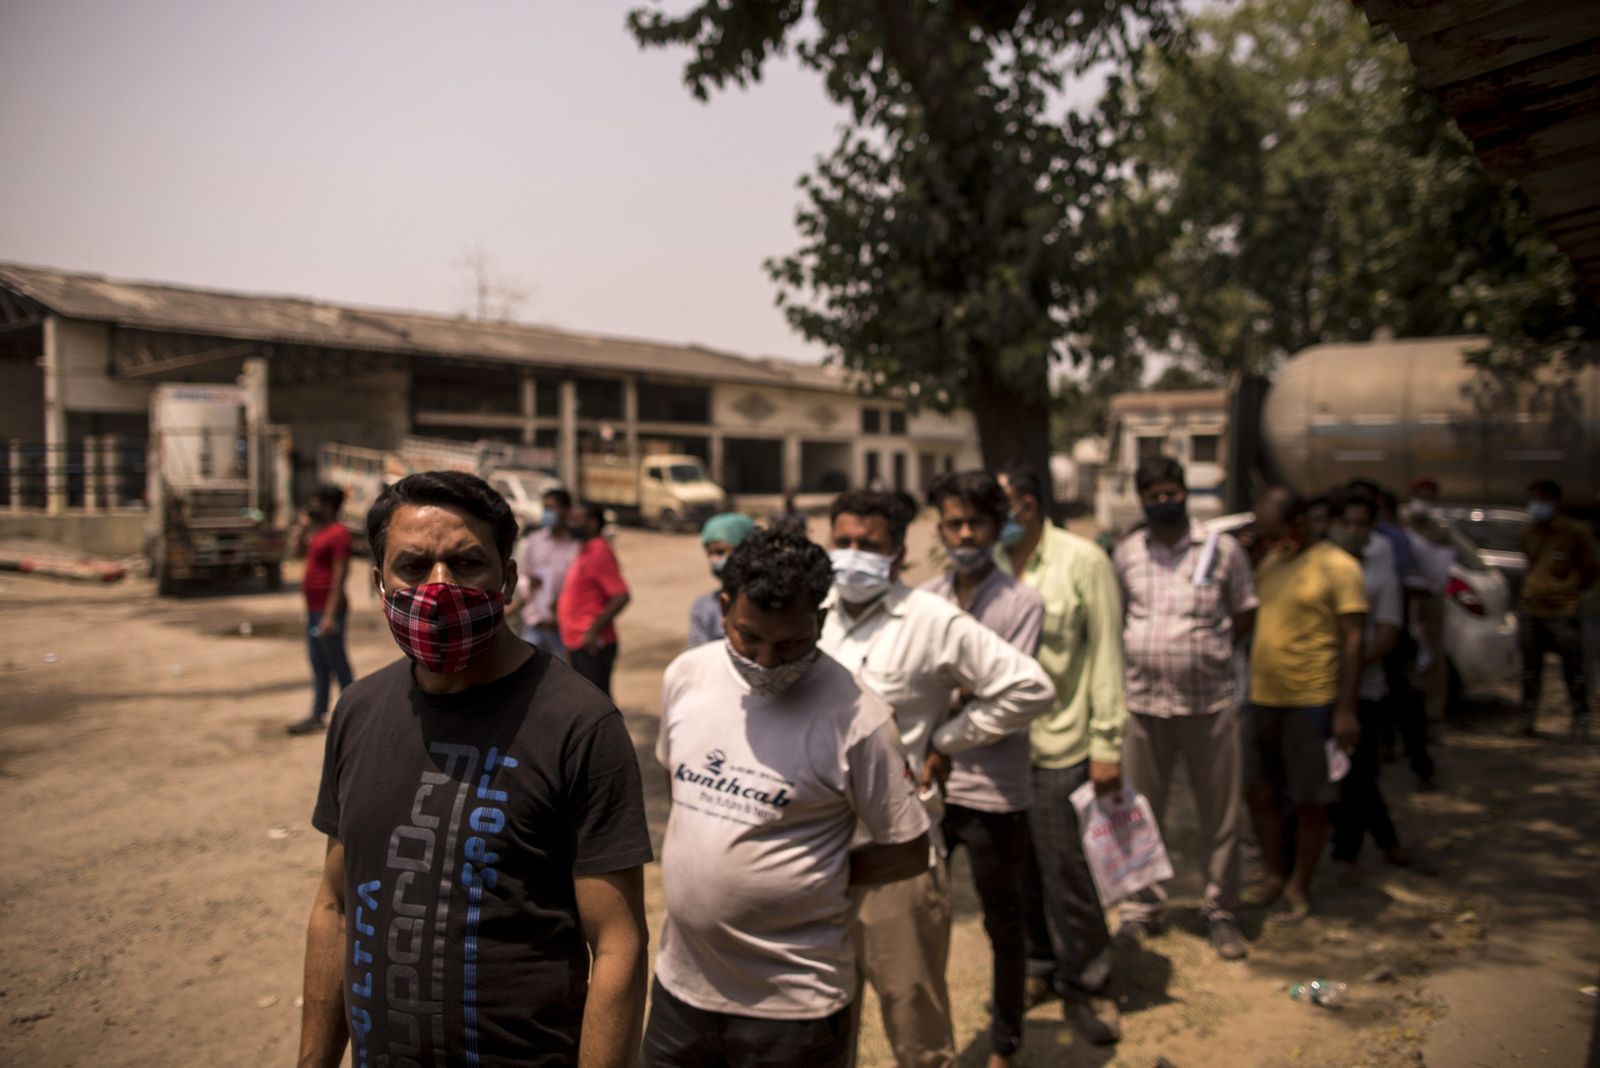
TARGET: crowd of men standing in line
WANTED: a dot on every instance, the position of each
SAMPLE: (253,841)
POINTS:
(828,739)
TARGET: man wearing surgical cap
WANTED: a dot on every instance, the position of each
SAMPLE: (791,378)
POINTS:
(718,538)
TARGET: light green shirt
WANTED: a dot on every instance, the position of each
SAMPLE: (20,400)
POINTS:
(1080,648)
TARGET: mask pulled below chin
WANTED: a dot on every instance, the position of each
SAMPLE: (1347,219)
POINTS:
(770,682)
(442,626)
(967,558)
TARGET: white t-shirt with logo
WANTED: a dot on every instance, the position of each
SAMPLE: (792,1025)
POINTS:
(766,794)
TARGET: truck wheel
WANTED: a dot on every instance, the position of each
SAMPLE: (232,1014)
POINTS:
(274,575)
(667,520)
(166,585)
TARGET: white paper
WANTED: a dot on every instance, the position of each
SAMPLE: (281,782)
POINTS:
(1121,842)
(1338,761)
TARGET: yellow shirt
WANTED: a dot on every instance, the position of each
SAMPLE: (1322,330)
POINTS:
(1294,656)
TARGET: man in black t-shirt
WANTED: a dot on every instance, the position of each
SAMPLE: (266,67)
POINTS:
(482,900)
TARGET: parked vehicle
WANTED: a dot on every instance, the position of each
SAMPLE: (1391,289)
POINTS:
(519,473)
(218,483)
(668,491)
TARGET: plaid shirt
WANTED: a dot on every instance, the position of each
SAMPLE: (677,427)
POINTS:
(1177,631)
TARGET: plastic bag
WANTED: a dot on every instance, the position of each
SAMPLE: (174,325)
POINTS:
(1121,842)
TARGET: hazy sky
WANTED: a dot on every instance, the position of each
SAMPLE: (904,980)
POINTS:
(353,150)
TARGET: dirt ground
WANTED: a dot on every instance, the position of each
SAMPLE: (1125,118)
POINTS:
(159,862)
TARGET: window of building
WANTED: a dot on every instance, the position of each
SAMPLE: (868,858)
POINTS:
(752,465)
(466,391)
(599,398)
(874,467)
(1151,447)
(669,403)
(897,422)
(1204,448)
(871,420)
(900,471)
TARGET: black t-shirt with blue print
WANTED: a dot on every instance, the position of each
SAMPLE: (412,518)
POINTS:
(464,820)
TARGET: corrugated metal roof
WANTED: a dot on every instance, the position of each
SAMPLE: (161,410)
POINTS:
(1522,80)
(297,320)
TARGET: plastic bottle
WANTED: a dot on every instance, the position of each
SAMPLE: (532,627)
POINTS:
(1322,992)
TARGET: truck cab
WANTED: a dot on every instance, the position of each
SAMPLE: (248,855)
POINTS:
(675,492)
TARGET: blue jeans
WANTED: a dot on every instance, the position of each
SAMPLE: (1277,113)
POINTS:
(328,662)
(547,638)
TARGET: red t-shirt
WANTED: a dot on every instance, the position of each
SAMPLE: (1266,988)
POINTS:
(326,547)
(593,580)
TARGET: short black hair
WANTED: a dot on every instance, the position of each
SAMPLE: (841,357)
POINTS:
(1367,487)
(562,498)
(1025,481)
(777,569)
(1157,469)
(1294,505)
(330,495)
(978,490)
(1546,487)
(448,489)
(1341,501)
(897,509)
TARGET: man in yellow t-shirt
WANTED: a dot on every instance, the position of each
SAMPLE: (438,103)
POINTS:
(1305,667)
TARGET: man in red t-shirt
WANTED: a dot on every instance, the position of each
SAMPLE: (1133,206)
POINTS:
(325,543)
(590,599)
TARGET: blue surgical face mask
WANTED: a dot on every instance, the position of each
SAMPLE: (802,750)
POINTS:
(717,564)
(551,519)
(1542,511)
(1012,533)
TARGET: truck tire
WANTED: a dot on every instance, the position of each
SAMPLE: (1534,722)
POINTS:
(668,521)
(161,571)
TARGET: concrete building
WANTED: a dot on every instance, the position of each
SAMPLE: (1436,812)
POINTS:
(79,355)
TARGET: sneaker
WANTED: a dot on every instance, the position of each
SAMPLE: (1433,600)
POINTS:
(1095,1020)
(1228,941)
(1037,991)
(309,725)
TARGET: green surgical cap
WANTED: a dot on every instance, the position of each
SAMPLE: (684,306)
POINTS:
(730,527)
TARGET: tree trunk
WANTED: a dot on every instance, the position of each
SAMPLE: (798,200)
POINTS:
(1014,425)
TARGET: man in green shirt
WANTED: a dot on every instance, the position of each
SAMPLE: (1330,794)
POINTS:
(1079,740)
(1561,566)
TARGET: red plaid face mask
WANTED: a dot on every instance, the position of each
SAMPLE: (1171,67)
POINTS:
(443,626)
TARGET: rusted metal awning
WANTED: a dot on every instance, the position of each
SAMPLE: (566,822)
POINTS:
(1522,80)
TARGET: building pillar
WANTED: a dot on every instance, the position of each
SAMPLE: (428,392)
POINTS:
(15,504)
(55,420)
(716,459)
(630,414)
(530,408)
(791,463)
(111,469)
(91,473)
(569,435)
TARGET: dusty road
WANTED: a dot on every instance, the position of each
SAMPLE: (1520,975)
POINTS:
(158,862)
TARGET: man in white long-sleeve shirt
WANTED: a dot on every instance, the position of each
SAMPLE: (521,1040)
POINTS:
(913,649)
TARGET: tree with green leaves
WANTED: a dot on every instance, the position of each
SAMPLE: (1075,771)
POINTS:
(1310,190)
(959,238)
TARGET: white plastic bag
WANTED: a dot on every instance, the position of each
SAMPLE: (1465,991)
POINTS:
(1121,842)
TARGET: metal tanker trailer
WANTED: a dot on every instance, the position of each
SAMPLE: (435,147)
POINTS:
(1393,411)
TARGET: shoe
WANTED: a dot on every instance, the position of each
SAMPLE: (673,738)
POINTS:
(309,725)
(1095,1020)
(1228,941)
(1263,893)
(1132,933)
(1037,991)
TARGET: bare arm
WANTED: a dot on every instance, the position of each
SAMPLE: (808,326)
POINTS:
(1382,644)
(877,864)
(607,614)
(611,907)
(1346,726)
(336,597)
(323,1028)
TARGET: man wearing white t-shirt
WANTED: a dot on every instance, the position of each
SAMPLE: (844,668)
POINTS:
(913,649)
(778,762)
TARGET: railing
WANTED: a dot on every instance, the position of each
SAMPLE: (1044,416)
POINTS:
(92,474)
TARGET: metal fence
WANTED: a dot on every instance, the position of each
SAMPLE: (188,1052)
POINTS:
(90,474)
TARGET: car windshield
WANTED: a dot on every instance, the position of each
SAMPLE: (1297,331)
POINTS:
(686,473)
(1496,535)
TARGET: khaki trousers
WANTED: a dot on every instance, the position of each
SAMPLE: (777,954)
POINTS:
(902,937)
(1210,749)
